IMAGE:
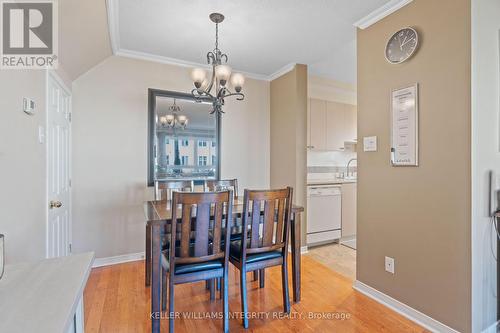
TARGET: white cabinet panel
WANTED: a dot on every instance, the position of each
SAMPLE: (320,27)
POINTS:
(335,124)
(317,124)
(330,124)
(351,122)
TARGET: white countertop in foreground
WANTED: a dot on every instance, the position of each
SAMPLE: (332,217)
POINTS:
(43,296)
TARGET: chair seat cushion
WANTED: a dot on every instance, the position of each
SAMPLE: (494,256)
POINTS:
(235,253)
(190,268)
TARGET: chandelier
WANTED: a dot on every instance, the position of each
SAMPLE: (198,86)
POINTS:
(221,74)
(173,119)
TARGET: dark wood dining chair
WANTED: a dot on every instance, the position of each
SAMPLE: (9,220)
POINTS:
(265,246)
(212,185)
(194,255)
(163,191)
(164,188)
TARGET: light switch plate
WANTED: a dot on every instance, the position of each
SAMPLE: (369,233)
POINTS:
(370,143)
(41,135)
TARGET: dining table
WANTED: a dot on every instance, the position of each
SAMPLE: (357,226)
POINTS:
(158,214)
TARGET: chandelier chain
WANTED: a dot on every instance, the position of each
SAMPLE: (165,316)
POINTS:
(216,36)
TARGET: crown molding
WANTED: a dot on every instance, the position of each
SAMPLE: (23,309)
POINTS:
(114,34)
(381,12)
(179,62)
(282,71)
(113,24)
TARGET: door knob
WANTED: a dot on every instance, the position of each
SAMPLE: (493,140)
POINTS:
(55,204)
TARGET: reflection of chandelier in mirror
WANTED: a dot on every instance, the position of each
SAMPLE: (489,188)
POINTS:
(174,119)
(221,73)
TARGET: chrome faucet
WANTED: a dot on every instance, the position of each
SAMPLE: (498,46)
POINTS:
(348,165)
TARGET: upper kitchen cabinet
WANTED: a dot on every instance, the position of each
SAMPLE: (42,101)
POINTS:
(351,122)
(331,124)
(317,124)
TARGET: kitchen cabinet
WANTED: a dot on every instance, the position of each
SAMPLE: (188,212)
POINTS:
(317,124)
(330,125)
(348,210)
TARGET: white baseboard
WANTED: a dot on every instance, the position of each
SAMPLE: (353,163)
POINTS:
(403,309)
(303,249)
(99,262)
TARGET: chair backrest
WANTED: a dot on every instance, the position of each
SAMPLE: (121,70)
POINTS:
(277,208)
(164,189)
(222,185)
(200,215)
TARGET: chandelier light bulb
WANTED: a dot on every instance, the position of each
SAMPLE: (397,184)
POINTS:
(170,118)
(223,72)
(198,75)
(182,120)
(237,80)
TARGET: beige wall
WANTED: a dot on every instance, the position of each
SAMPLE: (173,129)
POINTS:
(419,215)
(289,134)
(83,35)
(22,166)
(110,148)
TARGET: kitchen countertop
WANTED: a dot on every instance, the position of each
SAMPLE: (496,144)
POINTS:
(43,296)
(336,181)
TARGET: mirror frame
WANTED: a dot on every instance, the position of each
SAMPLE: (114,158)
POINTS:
(152,95)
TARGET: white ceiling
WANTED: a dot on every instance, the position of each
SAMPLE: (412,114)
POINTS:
(259,36)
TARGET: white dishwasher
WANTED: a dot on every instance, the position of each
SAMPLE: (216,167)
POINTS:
(324,214)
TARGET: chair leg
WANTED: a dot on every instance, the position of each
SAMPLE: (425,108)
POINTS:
(225,292)
(212,289)
(284,281)
(221,290)
(171,313)
(255,275)
(262,277)
(243,292)
(164,286)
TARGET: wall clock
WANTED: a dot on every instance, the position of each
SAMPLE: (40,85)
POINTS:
(401,46)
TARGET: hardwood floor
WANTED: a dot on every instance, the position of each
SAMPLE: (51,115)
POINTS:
(116,300)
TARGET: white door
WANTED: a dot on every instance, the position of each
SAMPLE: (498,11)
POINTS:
(58,169)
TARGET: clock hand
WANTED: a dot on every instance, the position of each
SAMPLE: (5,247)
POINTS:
(404,43)
(404,40)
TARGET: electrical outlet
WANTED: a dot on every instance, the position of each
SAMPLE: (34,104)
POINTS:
(389,265)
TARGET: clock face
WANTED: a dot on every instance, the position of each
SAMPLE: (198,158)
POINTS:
(401,46)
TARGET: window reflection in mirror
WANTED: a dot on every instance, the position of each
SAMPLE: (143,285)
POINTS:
(183,149)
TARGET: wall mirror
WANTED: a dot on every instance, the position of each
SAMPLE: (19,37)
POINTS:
(183,140)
